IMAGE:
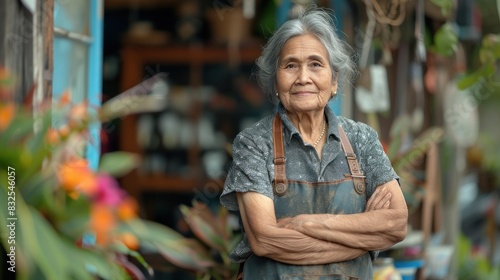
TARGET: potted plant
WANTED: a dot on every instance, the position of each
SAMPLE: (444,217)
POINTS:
(65,220)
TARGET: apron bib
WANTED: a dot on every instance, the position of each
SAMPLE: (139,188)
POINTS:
(292,198)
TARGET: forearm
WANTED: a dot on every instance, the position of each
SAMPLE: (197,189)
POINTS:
(373,230)
(381,225)
(267,238)
(290,246)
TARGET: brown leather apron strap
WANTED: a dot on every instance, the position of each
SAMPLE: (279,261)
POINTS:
(356,173)
(280,184)
(240,272)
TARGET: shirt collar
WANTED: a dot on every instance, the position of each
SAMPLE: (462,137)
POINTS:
(291,130)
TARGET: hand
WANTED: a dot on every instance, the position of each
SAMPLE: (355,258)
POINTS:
(381,199)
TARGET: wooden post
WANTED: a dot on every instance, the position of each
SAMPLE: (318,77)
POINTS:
(431,204)
(48,54)
(16,45)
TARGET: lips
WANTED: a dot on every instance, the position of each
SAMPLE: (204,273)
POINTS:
(304,92)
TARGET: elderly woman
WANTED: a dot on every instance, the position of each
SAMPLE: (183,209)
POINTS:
(316,193)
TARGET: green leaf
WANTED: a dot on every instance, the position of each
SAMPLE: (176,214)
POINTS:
(181,251)
(468,80)
(73,222)
(20,128)
(419,148)
(42,247)
(122,249)
(39,191)
(486,56)
(188,254)
(205,226)
(151,231)
(445,40)
(445,5)
(118,163)
(487,69)
(399,130)
(394,147)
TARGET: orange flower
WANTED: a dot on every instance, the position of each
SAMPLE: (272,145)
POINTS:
(78,115)
(127,209)
(4,74)
(64,131)
(65,97)
(76,175)
(102,221)
(129,240)
(6,84)
(52,136)
(79,111)
(6,115)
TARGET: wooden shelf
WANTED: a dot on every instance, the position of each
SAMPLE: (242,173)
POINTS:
(162,182)
(134,60)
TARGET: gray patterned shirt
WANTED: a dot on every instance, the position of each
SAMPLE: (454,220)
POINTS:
(252,168)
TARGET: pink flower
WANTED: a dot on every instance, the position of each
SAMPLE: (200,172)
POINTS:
(108,191)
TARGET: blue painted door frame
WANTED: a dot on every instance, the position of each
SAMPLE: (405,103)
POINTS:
(84,81)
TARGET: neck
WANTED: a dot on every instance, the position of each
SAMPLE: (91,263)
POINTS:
(310,124)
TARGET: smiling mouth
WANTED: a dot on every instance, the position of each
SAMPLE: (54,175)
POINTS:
(303,93)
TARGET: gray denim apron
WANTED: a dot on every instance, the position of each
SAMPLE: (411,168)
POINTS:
(292,198)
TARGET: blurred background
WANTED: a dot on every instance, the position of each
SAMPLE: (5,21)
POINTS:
(182,73)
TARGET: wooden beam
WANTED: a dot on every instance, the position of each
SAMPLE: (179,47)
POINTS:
(48,37)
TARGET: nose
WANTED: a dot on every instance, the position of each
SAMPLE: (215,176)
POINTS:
(303,76)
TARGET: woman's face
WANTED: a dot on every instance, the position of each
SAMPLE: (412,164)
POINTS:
(304,77)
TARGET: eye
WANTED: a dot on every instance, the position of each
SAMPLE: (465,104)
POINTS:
(316,64)
(291,66)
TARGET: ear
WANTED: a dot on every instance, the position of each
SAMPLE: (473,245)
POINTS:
(335,80)
(334,87)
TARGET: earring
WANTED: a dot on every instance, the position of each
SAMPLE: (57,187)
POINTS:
(276,93)
(333,93)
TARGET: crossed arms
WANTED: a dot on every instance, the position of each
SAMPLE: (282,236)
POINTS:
(324,238)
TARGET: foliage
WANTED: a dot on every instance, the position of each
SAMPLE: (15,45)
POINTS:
(445,40)
(472,264)
(445,6)
(406,159)
(489,54)
(484,85)
(67,221)
(214,231)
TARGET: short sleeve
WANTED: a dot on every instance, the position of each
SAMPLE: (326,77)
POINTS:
(374,162)
(248,171)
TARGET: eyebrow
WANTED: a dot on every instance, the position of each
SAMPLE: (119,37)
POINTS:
(311,57)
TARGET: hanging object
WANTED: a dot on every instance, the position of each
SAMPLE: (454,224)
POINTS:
(461,116)
(396,11)
(420,52)
(417,116)
(374,97)
(372,92)
(30,5)
(248,9)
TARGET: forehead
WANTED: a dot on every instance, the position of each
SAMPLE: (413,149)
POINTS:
(303,46)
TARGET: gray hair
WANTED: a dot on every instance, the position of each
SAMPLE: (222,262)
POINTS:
(318,23)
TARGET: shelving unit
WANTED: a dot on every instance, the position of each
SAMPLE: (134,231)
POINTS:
(134,70)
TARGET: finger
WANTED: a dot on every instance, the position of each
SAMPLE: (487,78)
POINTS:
(380,204)
(387,205)
(379,192)
(380,201)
